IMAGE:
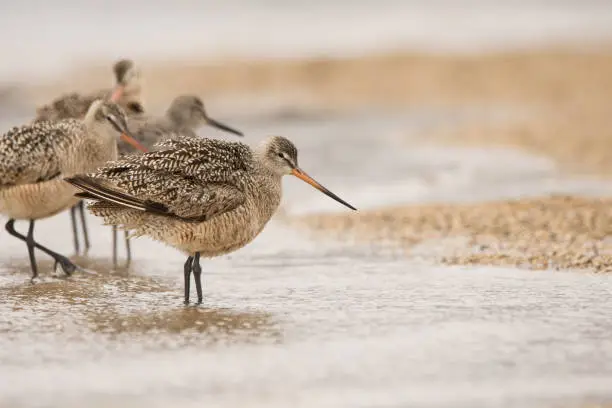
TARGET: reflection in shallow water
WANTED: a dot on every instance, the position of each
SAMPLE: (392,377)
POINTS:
(215,323)
(119,302)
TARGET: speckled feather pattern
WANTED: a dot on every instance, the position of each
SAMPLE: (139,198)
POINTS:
(35,158)
(194,177)
(34,153)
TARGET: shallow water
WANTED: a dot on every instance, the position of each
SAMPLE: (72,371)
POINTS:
(294,320)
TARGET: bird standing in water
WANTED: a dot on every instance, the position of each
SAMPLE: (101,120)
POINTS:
(35,158)
(127,93)
(204,197)
(185,116)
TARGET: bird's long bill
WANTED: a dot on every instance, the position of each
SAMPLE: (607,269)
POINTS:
(133,142)
(305,177)
(127,137)
(221,126)
(117,92)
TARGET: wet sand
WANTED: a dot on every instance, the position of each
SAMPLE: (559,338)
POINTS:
(541,233)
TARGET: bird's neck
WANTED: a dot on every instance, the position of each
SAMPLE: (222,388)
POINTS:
(179,121)
(268,185)
(104,135)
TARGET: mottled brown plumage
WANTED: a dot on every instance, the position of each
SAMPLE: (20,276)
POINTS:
(204,197)
(185,115)
(127,93)
(35,158)
(75,105)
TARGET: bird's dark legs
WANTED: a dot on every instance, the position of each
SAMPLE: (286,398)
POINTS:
(197,274)
(67,266)
(30,244)
(115,246)
(193,265)
(187,272)
(75,234)
(128,248)
(81,207)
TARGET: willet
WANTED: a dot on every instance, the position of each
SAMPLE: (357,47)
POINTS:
(185,115)
(204,197)
(35,158)
(126,93)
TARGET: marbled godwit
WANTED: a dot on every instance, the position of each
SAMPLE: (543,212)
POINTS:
(35,158)
(185,115)
(204,197)
(126,93)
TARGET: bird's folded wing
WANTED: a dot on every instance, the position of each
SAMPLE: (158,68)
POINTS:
(172,196)
(210,161)
(191,178)
(28,154)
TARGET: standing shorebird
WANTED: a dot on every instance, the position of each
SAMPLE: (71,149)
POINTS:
(185,116)
(35,158)
(204,197)
(127,93)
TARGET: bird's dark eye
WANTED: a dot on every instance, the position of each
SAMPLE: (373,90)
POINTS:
(135,107)
(281,156)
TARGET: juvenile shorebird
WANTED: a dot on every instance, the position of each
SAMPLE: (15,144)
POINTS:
(127,93)
(185,115)
(204,197)
(35,158)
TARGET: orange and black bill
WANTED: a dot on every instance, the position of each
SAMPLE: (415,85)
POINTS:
(127,137)
(221,126)
(133,142)
(305,177)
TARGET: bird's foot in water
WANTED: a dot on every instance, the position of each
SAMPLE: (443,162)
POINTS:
(66,265)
